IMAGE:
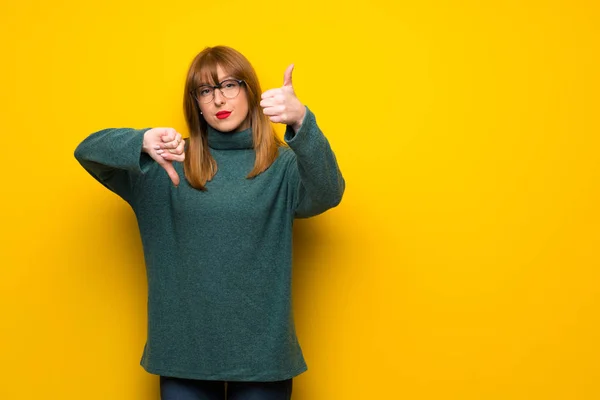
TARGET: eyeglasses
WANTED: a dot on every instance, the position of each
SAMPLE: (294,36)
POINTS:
(229,88)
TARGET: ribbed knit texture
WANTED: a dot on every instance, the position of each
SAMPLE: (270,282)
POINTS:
(219,262)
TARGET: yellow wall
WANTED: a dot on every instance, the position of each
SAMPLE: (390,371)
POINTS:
(463,262)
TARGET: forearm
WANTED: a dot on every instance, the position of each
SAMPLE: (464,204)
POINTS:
(114,157)
(320,181)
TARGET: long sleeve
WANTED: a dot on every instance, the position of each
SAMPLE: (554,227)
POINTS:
(114,158)
(315,174)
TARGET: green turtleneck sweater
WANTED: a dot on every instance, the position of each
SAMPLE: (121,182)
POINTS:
(219,262)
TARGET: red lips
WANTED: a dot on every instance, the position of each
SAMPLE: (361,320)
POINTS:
(223,114)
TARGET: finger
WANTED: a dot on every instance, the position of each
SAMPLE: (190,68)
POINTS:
(172,173)
(270,111)
(277,119)
(162,131)
(173,157)
(270,102)
(173,144)
(287,76)
(179,150)
(167,151)
(167,146)
(170,135)
(271,93)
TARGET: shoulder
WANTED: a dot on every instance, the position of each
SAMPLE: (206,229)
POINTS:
(286,155)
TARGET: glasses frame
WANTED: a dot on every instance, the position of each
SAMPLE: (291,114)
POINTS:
(215,87)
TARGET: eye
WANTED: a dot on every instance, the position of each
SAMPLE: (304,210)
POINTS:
(229,84)
(204,91)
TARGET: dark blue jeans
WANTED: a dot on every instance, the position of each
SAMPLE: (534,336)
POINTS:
(192,389)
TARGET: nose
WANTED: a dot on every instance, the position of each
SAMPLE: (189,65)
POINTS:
(218,97)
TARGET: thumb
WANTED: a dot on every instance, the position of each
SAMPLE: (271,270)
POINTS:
(287,77)
(168,166)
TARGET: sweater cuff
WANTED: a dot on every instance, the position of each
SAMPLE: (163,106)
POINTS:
(308,124)
(145,160)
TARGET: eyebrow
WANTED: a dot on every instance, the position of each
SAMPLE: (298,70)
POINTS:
(222,80)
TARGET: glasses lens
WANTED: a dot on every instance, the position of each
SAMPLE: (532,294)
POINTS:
(230,88)
(204,94)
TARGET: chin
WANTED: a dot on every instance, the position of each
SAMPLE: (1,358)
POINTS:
(224,126)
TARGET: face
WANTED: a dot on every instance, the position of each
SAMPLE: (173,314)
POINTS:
(227,115)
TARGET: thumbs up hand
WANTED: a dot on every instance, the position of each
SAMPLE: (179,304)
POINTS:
(281,105)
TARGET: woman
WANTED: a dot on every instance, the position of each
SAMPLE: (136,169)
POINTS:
(218,244)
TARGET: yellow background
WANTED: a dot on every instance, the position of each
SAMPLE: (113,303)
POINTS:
(463,262)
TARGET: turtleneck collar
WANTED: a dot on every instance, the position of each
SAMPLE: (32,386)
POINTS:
(228,140)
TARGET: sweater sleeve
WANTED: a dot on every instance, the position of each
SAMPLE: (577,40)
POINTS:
(114,158)
(316,178)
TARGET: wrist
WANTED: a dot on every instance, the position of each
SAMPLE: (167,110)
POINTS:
(296,126)
(145,148)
